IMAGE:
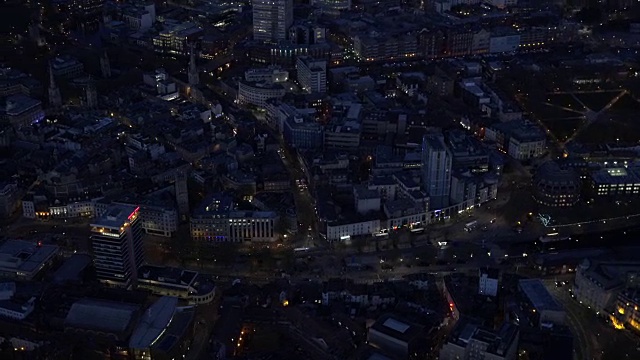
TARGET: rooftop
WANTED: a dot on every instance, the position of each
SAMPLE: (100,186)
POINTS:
(116,216)
(24,256)
(153,323)
(71,268)
(397,328)
(538,295)
(101,315)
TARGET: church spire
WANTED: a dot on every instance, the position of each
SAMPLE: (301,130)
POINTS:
(194,79)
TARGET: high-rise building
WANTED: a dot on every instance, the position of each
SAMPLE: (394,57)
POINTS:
(272,19)
(436,170)
(55,99)
(116,238)
(312,74)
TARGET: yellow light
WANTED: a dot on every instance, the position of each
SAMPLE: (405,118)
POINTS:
(285,303)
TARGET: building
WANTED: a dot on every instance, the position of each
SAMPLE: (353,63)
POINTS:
(312,74)
(436,170)
(55,98)
(344,229)
(272,19)
(257,94)
(626,310)
(504,42)
(9,199)
(546,308)
(488,282)
(301,133)
(519,139)
(216,220)
(66,66)
(343,135)
(398,337)
(157,217)
(165,331)
(116,238)
(101,319)
(252,226)
(183,284)
(470,341)
(15,309)
(332,7)
(209,222)
(177,40)
(271,74)
(616,182)
(598,283)
(194,78)
(556,186)
(22,110)
(24,260)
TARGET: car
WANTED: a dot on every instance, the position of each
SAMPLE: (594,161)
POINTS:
(492,220)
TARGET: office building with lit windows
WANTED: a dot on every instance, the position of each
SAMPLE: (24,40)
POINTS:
(216,220)
(616,182)
(272,19)
(312,74)
(116,238)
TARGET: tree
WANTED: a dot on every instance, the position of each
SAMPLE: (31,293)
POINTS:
(359,242)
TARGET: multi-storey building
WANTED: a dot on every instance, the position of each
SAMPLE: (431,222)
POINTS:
(520,140)
(177,40)
(469,341)
(302,133)
(257,94)
(216,220)
(9,199)
(116,239)
(332,7)
(616,181)
(312,74)
(436,170)
(598,283)
(22,110)
(272,19)
(66,66)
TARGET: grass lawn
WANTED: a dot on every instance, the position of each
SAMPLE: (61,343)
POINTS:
(565,100)
(564,128)
(597,101)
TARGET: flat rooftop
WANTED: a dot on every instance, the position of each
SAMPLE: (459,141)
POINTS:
(24,256)
(538,295)
(397,328)
(116,216)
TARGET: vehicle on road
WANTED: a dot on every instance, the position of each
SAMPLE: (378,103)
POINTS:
(470,226)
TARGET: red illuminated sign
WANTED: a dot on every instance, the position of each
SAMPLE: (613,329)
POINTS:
(133,213)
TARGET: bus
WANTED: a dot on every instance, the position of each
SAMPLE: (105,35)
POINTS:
(471,226)
(554,242)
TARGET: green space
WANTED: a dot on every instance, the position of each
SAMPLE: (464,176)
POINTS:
(545,112)
(565,100)
(263,341)
(564,128)
(626,103)
(596,101)
(612,128)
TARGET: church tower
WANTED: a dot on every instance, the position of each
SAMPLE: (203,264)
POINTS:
(194,79)
(91,94)
(55,99)
(105,65)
